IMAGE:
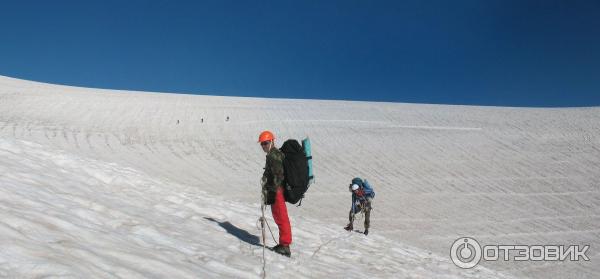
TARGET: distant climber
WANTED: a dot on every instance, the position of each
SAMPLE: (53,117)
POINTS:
(272,189)
(227,119)
(362,199)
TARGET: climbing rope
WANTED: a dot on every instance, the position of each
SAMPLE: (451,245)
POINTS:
(263,221)
(262,227)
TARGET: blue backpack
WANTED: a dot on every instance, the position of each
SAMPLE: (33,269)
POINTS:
(365,185)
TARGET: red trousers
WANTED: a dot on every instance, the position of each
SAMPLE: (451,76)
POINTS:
(280,214)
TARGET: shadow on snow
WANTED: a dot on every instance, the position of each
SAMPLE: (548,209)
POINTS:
(242,235)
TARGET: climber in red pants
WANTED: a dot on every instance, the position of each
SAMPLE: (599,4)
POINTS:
(272,188)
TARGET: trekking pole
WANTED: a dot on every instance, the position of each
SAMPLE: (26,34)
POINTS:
(271,231)
(353,219)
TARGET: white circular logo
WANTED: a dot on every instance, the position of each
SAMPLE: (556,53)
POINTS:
(465,252)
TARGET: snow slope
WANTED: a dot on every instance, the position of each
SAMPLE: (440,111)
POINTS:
(105,183)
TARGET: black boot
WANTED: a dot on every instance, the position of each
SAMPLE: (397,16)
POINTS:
(283,250)
(349,227)
(366,231)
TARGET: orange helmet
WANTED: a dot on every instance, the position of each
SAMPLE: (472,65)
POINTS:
(265,136)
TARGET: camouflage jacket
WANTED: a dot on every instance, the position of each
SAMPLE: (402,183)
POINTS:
(273,175)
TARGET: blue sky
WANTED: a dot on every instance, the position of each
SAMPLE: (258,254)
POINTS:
(508,53)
